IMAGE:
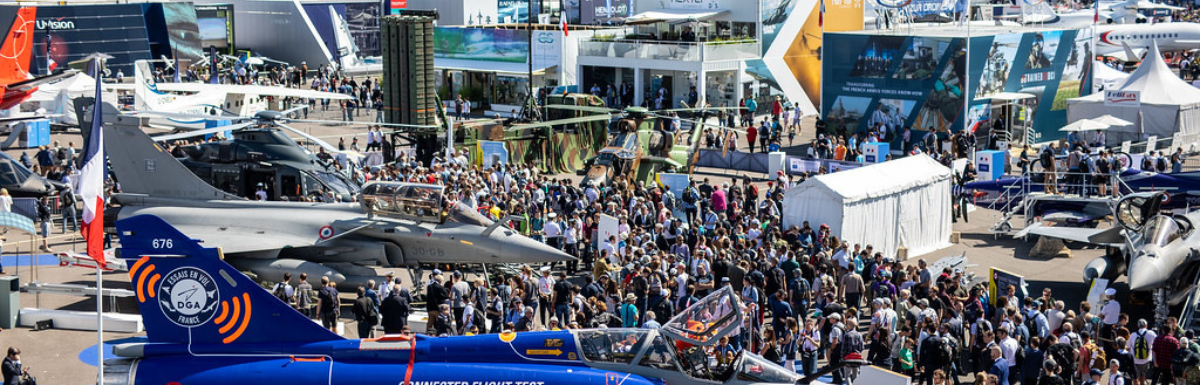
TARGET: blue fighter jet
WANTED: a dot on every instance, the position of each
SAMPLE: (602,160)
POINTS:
(237,332)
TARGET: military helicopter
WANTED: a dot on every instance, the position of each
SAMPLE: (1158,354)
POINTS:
(643,146)
(261,154)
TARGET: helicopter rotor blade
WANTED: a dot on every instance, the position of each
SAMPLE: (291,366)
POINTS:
(367,123)
(582,119)
(603,110)
(328,147)
(192,134)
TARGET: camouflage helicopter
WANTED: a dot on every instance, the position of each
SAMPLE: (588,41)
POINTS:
(644,145)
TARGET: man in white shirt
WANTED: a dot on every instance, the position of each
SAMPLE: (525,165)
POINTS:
(1110,313)
(1009,347)
(553,231)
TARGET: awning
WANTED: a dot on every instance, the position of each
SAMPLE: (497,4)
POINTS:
(1012,96)
(487,66)
(673,15)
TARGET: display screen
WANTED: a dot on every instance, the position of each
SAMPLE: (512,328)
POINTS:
(216,26)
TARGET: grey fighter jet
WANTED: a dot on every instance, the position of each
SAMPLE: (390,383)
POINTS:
(1159,252)
(393,224)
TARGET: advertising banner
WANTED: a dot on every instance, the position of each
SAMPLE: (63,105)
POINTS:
(608,226)
(496,45)
(1122,98)
(604,11)
(897,82)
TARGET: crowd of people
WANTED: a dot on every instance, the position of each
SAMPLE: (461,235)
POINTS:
(810,296)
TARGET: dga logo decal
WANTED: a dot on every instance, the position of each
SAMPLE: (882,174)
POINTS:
(189,297)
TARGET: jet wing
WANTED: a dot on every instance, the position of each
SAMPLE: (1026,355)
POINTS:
(1110,237)
(282,92)
(236,240)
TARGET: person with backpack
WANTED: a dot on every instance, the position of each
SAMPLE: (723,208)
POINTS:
(365,314)
(328,306)
(283,290)
(1183,359)
(1090,356)
(851,345)
(691,197)
(1140,343)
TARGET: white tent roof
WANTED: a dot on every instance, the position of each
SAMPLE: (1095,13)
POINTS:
(78,83)
(1152,79)
(1104,73)
(882,179)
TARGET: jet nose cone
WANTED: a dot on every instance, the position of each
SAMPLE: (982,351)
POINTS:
(517,248)
(1144,273)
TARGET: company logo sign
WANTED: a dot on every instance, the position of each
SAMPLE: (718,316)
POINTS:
(1122,98)
(188,297)
(545,37)
(56,24)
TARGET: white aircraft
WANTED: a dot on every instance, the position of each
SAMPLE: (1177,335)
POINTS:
(1119,12)
(347,57)
(160,100)
(1129,41)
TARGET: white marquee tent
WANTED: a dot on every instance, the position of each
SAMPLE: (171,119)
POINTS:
(1167,104)
(904,202)
(59,97)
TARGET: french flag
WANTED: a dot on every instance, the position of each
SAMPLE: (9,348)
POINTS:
(91,181)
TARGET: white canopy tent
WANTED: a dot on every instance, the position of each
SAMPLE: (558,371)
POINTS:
(898,203)
(1167,103)
(59,97)
(1105,77)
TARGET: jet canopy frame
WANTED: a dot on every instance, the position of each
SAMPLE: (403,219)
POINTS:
(421,202)
(705,322)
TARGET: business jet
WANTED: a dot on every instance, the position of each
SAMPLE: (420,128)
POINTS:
(1129,41)
(178,104)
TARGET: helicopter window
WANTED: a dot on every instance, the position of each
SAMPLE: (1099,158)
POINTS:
(1161,231)
(334,182)
(659,356)
(7,176)
(462,214)
(604,159)
(18,170)
(612,345)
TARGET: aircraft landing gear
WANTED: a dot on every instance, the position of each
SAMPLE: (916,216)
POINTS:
(1160,306)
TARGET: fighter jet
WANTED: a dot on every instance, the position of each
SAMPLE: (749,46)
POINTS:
(206,323)
(1158,253)
(394,224)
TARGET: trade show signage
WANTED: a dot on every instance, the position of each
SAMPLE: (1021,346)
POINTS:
(1122,98)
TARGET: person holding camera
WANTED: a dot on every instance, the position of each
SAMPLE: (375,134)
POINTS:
(15,373)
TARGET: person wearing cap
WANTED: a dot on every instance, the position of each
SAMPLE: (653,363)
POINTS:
(260,192)
(1110,314)
(628,312)
(1093,377)
(545,289)
(553,231)
(385,289)
(1115,376)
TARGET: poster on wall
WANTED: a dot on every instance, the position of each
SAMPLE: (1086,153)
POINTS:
(497,45)
(215,22)
(492,153)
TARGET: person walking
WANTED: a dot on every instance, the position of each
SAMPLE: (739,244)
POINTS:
(365,314)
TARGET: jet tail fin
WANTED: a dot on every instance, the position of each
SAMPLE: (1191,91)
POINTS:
(143,167)
(17,47)
(188,295)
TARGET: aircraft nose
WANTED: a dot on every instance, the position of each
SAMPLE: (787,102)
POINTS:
(519,248)
(1144,273)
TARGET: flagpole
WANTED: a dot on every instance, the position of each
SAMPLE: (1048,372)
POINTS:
(99,324)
